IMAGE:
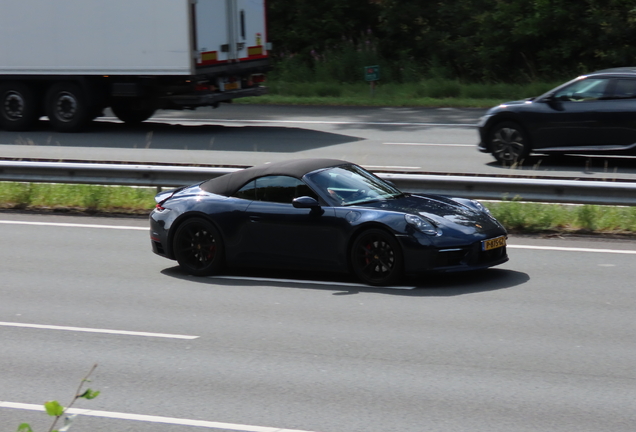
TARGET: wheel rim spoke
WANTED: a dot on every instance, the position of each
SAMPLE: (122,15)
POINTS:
(197,246)
(377,258)
(507,144)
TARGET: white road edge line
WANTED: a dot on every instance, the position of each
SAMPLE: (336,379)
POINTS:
(72,225)
(334,122)
(429,144)
(549,248)
(391,167)
(571,249)
(152,419)
(93,330)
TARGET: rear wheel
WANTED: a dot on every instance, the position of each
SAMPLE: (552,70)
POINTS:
(198,247)
(67,108)
(18,107)
(508,143)
(376,258)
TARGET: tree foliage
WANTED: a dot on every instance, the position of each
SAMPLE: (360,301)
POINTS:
(475,40)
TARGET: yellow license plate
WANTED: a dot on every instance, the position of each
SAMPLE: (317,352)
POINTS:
(232,85)
(493,243)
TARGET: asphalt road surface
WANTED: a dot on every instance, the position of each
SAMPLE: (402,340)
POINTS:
(431,140)
(542,343)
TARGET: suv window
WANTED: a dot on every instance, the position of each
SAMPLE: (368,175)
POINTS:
(279,189)
(583,90)
(624,89)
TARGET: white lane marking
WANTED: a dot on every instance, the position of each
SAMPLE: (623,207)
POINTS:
(429,144)
(333,122)
(552,248)
(72,225)
(391,167)
(571,249)
(309,282)
(93,330)
(152,419)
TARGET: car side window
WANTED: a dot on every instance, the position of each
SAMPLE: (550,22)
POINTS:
(247,192)
(624,89)
(279,189)
(583,90)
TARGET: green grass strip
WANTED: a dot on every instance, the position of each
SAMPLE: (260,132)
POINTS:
(425,93)
(77,197)
(516,216)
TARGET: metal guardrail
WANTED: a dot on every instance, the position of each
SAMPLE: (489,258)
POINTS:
(107,174)
(539,190)
(491,188)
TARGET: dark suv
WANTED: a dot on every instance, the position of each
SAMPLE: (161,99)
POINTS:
(592,114)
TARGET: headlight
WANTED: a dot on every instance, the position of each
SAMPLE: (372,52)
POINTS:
(480,207)
(421,224)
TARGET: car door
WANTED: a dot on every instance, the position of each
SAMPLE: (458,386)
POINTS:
(571,115)
(280,235)
(617,118)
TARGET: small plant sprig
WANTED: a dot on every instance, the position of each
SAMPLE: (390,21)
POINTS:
(54,409)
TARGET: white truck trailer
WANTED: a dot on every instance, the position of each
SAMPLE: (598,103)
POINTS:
(71,59)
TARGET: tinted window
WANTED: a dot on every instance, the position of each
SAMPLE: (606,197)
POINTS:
(624,89)
(247,192)
(280,189)
(583,90)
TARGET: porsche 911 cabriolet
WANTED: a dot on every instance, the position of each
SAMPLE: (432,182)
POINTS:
(326,215)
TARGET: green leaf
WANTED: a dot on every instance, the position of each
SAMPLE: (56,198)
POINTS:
(53,408)
(89,394)
(25,427)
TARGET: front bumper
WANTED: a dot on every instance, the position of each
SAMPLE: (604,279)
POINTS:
(468,257)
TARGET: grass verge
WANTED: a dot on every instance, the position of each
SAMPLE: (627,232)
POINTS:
(516,216)
(426,93)
(77,198)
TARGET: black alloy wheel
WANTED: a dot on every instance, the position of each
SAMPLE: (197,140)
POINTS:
(508,143)
(376,258)
(18,107)
(67,108)
(198,247)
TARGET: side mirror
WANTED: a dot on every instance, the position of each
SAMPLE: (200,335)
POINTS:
(305,202)
(549,98)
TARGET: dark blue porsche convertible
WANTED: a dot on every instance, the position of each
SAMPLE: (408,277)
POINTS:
(322,214)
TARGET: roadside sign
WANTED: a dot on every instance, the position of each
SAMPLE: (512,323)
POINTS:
(372,73)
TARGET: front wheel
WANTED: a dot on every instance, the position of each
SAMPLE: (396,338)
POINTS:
(508,143)
(376,258)
(198,247)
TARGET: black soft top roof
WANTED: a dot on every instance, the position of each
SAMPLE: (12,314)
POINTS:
(229,183)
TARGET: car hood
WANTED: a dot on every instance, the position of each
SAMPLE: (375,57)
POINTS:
(518,102)
(443,211)
(510,105)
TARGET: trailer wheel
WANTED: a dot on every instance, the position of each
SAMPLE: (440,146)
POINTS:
(67,108)
(134,111)
(18,107)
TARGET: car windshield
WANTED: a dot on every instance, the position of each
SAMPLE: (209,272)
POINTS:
(351,185)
